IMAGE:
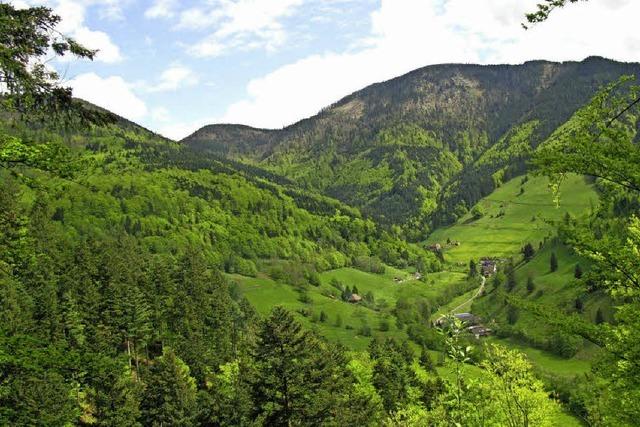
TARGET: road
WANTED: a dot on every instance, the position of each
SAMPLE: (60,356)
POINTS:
(475,295)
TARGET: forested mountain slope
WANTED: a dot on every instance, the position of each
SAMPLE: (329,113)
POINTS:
(423,148)
(137,183)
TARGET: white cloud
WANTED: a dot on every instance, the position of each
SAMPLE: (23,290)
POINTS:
(112,93)
(160,115)
(408,34)
(179,130)
(161,9)
(239,24)
(107,51)
(173,78)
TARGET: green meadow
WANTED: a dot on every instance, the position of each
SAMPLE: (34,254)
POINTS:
(342,321)
(520,211)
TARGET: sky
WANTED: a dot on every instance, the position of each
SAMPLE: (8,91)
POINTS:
(174,66)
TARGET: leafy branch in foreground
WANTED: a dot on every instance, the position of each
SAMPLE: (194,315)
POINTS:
(598,140)
(30,89)
(601,141)
(544,10)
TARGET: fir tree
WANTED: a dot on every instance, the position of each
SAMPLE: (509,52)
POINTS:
(473,268)
(531,286)
(425,360)
(298,378)
(553,262)
(170,394)
(528,252)
(511,278)
(577,272)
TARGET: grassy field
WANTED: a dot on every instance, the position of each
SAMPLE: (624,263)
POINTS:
(546,361)
(511,219)
(345,322)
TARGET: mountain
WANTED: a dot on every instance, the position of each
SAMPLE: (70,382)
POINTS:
(419,150)
(136,183)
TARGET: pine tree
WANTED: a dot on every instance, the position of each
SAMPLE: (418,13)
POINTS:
(512,314)
(531,286)
(74,328)
(392,376)
(170,395)
(473,268)
(298,380)
(528,252)
(511,278)
(553,262)
(425,360)
(114,393)
(577,272)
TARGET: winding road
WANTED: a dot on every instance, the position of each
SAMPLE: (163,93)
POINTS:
(475,295)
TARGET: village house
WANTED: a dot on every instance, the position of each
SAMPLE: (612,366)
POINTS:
(355,298)
(466,318)
(479,331)
(488,267)
(436,247)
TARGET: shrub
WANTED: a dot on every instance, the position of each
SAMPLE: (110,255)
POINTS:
(384,325)
(564,345)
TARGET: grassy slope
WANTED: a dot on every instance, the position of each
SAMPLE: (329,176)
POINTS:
(502,236)
(265,293)
(526,219)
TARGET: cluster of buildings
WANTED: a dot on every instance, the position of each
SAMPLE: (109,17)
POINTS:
(472,324)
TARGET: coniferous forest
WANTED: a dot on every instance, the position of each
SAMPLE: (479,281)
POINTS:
(469,256)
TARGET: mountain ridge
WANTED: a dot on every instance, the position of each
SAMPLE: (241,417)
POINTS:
(460,111)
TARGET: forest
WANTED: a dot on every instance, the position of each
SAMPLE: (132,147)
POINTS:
(294,279)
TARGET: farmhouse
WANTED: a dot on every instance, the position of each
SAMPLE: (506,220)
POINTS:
(436,247)
(479,331)
(467,318)
(355,298)
(488,267)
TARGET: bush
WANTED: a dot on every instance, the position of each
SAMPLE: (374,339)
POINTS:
(338,322)
(564,345)
(305,298)
(477,212)
(365,330)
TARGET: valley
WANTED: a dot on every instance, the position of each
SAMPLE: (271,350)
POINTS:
(455,246)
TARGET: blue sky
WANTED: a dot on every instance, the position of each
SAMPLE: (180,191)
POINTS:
(174,66)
